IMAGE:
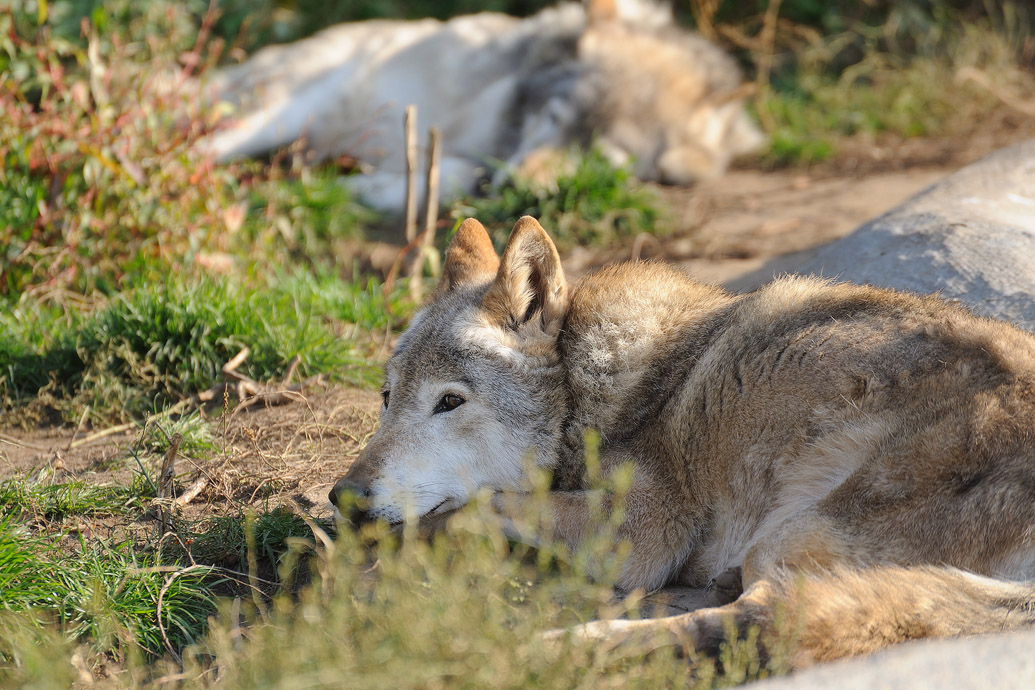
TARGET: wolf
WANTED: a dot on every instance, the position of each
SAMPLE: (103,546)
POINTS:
(507,93)
(860,456)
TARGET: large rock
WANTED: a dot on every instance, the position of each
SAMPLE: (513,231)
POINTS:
(970,237)
(1004,662)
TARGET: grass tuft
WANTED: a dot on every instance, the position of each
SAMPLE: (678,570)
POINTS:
(159,343)
(107,595)
(917,73)
(224,540)
(197,438)
(55,502)
(596,203)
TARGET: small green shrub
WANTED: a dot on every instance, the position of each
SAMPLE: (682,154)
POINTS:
(196,437)
(595,204)
(225,540)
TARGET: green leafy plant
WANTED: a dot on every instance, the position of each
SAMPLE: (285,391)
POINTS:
(57,501)
(595,203)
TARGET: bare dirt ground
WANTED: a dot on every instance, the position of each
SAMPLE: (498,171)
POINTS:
(265,456)
(737,230)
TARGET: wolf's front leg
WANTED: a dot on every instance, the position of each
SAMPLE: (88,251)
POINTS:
(659,537)
(699,633)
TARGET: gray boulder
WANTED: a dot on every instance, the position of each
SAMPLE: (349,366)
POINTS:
(970,237)
(1003,662)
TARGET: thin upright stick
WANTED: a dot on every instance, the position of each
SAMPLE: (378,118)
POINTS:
(165,482)
(430,212)
(410,123)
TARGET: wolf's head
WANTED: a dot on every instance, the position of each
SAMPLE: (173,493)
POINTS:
(475,391)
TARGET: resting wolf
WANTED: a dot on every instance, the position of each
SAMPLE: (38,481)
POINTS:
(865,457)
(502,90)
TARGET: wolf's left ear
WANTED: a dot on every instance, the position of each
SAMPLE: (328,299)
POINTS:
(529,287)
(470,259)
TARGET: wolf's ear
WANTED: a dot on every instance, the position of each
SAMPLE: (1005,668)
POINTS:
(529,287)
(470,259)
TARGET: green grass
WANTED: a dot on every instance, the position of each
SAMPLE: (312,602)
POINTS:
(904,77)
(159,343)
(467,610)
(100,180)
(197,439)
(361,304)
(228,540)
(55,502)
(106,595)
(596,203)
(130,271)
(378,611)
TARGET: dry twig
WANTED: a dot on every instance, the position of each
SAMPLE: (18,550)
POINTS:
(78,427)
(410,125)
(430,214)
(165,482)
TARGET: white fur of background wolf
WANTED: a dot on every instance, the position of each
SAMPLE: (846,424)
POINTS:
(502,90)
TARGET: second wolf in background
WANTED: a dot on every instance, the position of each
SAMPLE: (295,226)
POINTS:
(506,93)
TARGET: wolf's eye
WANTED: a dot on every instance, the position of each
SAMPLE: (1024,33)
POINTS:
(449,401)
(384,397)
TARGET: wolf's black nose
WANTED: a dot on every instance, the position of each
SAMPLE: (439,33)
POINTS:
(351,498)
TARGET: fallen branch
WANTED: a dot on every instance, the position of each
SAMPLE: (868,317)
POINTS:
(119,428)
(192,491)
(250,392)
(230,368)
(291,370)
(269,396)
(22,444)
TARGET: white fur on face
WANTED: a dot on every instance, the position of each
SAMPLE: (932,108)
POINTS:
(437,461)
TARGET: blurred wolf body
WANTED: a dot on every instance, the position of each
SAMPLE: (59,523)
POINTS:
(510,96)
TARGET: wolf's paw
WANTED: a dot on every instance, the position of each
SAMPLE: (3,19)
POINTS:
(708,629)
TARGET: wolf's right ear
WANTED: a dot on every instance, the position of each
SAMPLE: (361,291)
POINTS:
(529,289)
(471,259)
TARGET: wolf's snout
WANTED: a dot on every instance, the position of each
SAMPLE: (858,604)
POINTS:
(351,496)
